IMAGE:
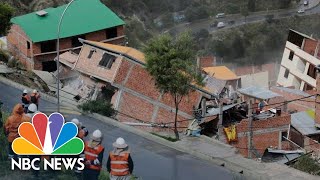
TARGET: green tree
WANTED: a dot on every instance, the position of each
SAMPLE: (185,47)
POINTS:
(244,11)
(6,13)
(172,64)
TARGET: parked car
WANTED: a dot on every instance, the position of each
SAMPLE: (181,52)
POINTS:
(220,15)
(221,25)
(301,11)
(305,2)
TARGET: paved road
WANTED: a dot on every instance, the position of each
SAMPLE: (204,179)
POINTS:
(152,160)
(237,20)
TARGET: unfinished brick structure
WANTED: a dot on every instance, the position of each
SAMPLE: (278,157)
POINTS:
(266,133)
(32,37)
(136,97)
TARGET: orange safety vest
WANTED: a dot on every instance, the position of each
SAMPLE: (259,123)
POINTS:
(119,164)
(91,154)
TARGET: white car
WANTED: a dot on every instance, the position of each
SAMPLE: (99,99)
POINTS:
(301,11)
(221,25)
(305,3)
(220,15)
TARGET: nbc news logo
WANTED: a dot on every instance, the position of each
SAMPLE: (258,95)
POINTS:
(46,137)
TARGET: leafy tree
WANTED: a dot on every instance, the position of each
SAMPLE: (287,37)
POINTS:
(6,13)
(283,4)
(172,64)
(244,11)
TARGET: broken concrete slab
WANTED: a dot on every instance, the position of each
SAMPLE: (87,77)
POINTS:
(48,78)
(4,69)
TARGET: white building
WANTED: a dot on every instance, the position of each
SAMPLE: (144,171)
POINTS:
(299,59)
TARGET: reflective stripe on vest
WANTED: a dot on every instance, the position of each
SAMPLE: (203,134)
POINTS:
(91,154)
(119,164)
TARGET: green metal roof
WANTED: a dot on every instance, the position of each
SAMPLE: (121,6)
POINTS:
(83,16)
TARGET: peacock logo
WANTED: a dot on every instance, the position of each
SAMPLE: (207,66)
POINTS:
(48,136)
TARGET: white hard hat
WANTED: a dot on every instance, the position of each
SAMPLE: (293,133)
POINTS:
(120,143)
(25,91)
(96,135)
(34,91)
(33,108)
(76,121)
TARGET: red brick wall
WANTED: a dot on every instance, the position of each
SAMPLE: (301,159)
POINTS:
(312,145)
(17,45)
(188,102)
(310,46)
(265,134)
(140,81)
(120,30)
(88,65)
(96,36)
(207,61)
(136,107)
(122,72)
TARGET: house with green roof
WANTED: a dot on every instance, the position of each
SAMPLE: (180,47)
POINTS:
(32,37)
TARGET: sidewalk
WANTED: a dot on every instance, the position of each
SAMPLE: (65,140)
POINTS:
(203,148)
(227,154)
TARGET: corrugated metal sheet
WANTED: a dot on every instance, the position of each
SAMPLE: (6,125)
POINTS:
(215,111)
(214,85)
(294,91)
(304,123)
(258,92)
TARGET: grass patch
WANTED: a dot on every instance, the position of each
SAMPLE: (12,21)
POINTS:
(172,139)
(308,165)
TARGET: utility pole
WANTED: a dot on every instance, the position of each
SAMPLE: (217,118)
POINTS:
(220,117)
(250,139)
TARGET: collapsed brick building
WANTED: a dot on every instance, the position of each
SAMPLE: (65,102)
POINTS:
(121,70)
(32,37)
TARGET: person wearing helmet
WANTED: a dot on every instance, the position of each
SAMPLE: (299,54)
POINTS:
(12,124)
(32,110)
(25,99)
(35,96)
(120,164)
(82,131)
(93,151)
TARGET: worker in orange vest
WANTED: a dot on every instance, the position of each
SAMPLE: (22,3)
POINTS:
(82,133)
(25,99)
(34,98)
(120,164)
(12,124)
(93,151)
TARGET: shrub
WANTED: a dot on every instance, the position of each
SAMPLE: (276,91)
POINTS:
(307,164)
(172,139)
(3,140)
(3,56)
(13,63)
(98,106)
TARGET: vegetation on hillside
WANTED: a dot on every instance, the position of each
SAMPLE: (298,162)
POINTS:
(255,43)
(6,13)
(248,44)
